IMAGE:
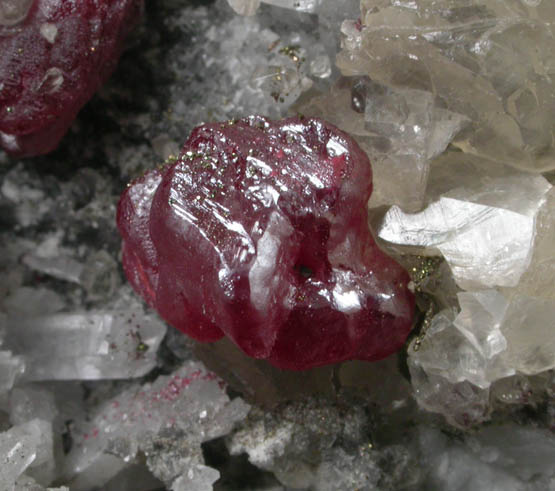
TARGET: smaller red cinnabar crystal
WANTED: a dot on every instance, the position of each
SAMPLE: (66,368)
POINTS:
(54,55)
(259,232)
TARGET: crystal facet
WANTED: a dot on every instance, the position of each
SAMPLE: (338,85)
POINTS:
(259,231)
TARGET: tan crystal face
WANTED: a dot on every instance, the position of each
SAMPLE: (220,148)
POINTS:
(13,11)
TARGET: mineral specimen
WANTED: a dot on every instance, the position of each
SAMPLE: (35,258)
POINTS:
(54,56)
(259,232)
(484,226)
(489,60)
(104,343)
(150,418)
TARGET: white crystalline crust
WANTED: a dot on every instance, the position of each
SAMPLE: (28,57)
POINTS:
(180,410)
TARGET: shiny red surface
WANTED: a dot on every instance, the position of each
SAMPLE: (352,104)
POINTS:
(259,232)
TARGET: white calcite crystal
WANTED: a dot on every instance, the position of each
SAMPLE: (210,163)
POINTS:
(244,7)
(249,7)
(97,344)
(485,232)
(488,60)
(197,478)
(26,447)
(166,420)
(491,338)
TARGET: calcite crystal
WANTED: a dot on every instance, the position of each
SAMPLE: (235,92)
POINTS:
(488,60)
(484,225)
(54,56)
(259,232)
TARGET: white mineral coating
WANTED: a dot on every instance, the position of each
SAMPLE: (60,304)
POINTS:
(341,470)
(289,442)
(244,7)
(87,345)
(497,458)
(25,446)
(197,478)
(489,60)
(486,233)
(180,410)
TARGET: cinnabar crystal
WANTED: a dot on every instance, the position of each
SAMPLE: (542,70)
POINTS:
(54,55)
(259,232)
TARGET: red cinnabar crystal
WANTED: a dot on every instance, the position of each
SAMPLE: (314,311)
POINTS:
(259,232)
(54,55)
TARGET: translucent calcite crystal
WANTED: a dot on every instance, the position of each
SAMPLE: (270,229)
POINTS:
(489,60)
(54,56)
(484,225)
(259,232)
(400,129)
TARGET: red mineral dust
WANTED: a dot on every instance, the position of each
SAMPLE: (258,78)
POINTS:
(259,232)
(54,55)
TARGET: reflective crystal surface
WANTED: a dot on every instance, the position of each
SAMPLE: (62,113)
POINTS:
(89,345)
(485,230)
(259,232)
(487,60)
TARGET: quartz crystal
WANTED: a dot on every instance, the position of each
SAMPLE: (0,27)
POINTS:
(259,232)
(55,56)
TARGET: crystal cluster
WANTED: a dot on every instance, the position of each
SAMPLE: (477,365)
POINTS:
(151,417)
(489,61)
(259,232)
(55,56)
(451,101)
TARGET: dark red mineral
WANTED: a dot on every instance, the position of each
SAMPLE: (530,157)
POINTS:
(259,232)
(54,55)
